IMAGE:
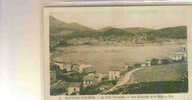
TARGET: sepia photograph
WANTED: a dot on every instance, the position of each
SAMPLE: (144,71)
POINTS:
(117,50)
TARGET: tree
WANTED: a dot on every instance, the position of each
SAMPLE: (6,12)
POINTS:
(64,71)
(137,65)
(154,61)
(114,82)
(74,93)
(54,67)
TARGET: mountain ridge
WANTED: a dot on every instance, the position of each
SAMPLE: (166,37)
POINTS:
(57,25)
(65,34)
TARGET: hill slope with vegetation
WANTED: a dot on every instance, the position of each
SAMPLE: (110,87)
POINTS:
(170,78)
(65,34)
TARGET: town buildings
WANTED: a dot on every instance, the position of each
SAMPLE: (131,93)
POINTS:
(74,88)
(159,61)
(143,64)
(147,63)
(82,68)
(64,66)
(85,68)
(176,57)
(180,54)
(101,76)
(75,67)
(60,65)
(114,74)
(90,80)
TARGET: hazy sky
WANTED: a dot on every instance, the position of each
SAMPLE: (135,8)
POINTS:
(140,16)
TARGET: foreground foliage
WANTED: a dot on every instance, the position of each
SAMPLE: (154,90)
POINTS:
(153,87)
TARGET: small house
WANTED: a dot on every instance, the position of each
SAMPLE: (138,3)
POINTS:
(68,67)
(85,68)
(101,76)
(177,57)
(74,88)
(64,66)
(82,68)
(114,74)
(159,61)
(60,65)
(143,65)
(148,63)
(75,67)
(126,66)
(90,80)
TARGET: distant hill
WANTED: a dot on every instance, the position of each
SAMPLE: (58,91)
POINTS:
(57,25)
(105,29)
(134,29)
(61,33)
(178,32)
(138,29)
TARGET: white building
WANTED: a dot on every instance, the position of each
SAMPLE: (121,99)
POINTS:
(60,65)
(178,56)
(75,67)
(181,54)
(127,65)
(88,82)
(74,88)
(159,61)
(114,74)
(91,79)
(101,76)
(85,68)
(64,66)
(148,63)
(143,65)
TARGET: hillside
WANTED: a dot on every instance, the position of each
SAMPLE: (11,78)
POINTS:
(153,88)
(169,72)
(157,79)
(65,34)
(57,25)
(138,29)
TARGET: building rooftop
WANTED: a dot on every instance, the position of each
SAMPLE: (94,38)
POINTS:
(91,76)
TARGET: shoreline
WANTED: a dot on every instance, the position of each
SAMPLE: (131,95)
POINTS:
(183,42)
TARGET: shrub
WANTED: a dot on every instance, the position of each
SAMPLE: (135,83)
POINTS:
(154,61)
(137,65)
(114,82)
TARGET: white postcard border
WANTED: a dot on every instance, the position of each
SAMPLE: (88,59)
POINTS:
(45,62)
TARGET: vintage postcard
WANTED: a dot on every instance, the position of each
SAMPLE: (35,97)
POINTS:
(118,52)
